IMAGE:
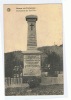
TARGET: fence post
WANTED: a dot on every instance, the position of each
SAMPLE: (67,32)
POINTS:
(12,81)
(8,80)
(20,80)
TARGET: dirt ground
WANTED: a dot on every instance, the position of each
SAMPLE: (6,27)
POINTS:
(40,90)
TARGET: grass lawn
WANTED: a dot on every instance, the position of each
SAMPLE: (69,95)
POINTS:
(40,90)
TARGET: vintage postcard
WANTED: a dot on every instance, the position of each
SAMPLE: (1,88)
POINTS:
(33,49)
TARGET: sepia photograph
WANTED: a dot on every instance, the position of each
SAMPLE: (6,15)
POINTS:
(33,49)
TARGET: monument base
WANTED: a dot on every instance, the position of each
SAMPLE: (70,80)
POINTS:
(26,79)
(32,64)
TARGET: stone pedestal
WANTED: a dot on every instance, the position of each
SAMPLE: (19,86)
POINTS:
(31,57)
(32,63)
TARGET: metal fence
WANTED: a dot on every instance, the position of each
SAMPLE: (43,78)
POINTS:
(13,81)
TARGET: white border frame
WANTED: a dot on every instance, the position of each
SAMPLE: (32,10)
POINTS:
(2,52)
(29,1)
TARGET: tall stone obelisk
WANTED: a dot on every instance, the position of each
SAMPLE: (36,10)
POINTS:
(32,41)
(32,57)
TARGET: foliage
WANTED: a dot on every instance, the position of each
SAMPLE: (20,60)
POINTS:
(52,63)
(33,82)
(49,56)
(11,60)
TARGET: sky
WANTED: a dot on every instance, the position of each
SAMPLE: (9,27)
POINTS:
(48,26)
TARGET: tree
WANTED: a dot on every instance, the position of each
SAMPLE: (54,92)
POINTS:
(13,59)
(52,63)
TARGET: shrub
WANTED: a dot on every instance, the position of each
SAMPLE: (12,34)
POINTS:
(33,82)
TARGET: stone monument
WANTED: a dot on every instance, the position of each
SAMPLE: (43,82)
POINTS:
(32,57)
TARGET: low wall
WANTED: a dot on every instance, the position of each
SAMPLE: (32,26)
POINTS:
(52,80)
(60,79)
